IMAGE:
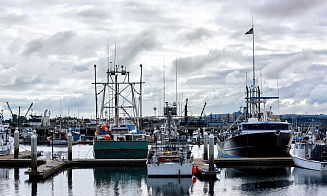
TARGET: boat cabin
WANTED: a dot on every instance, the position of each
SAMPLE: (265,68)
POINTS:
(264,126)
(303,149)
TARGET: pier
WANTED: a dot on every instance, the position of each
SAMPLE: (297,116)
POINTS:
(254,162)
(24,160)
(43,171)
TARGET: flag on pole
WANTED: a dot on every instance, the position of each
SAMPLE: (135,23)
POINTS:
(250,31)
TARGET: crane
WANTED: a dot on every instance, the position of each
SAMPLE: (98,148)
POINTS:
(205,103)
(29,109)
(10,110)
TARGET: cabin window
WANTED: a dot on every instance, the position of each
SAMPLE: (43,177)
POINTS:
(296,146)
(255,126)
(301,146)
(273,126)
(267,126)
(262,126)
(245,126)
(286,127)
(278,127)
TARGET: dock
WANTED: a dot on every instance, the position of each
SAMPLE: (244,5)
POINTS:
(24,160)
(204,174)
(254,162)
(46,170)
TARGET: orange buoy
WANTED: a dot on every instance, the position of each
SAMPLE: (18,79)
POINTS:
(193,170)
(107,137)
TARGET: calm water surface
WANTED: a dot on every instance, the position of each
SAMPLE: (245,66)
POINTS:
(134,181)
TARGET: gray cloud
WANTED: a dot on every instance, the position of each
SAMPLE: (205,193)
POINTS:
(193,36)
(49,48)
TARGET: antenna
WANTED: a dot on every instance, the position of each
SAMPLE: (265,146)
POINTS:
(108,52)
(115,50)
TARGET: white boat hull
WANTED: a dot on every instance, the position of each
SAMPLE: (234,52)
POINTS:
(169,170)
(308,164)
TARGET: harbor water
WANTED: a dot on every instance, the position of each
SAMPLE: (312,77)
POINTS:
(134,181)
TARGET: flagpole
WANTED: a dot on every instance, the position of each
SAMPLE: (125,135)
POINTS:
(253,87)
(251,31)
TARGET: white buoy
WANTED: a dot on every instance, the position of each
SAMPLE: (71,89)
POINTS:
(205,146)
(70,144)
(211,153)
(16,143)
(34,151)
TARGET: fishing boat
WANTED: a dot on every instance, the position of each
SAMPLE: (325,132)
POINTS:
(310,153)
(171,157)
(27,132)
(256,138)
(58,142)
(6,141)
(119,138)
(260,133)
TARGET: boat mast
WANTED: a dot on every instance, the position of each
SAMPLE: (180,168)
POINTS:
(140,98)
(253,85)
(164,82)
(96,97)
(116,99)
(176,80)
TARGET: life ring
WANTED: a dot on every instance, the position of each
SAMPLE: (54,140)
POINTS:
(121,138)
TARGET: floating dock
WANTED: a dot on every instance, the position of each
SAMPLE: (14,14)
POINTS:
(46,170)
(53,167)
(254,162)
(24,160)
(202,173)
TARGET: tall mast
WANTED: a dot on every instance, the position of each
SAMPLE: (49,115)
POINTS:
(116,99)
(251,31)
(176,79)
(96,97)
(140,98)
(253,87)
(164,85)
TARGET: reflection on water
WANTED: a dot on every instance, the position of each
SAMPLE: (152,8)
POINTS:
(308,176)
(134,181)
(114,181)
(169,186)
(260,178)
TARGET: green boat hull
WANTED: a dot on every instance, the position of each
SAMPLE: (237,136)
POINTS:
(120,149)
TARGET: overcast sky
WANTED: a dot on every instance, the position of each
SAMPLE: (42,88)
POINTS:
(48,50)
